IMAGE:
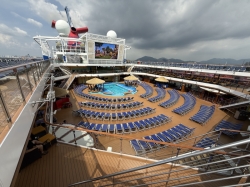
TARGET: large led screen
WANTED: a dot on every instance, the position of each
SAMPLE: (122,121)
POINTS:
(106,51)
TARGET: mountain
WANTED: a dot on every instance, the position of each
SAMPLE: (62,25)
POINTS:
(151,59)
(169,60)
(147,59)
(222,61)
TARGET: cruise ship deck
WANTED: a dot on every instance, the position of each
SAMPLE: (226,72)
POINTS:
(66,164)
(167,149)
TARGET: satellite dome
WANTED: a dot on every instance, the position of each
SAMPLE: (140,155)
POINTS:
(62,27)
(111,34)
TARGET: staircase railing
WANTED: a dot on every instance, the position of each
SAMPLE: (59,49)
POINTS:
(181,164)
(170,179)
(241,98)
(181,169)
(69,81)
(66,71)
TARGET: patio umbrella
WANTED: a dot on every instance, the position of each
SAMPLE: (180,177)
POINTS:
(95,81)
(161,79)
(131,78)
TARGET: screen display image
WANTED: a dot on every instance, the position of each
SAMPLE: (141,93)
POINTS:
(106,51)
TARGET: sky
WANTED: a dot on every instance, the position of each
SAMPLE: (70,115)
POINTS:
(183,29)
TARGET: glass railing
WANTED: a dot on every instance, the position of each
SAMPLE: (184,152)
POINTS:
(16,86)
(71,49)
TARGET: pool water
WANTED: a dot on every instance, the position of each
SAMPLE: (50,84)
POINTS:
(118,89)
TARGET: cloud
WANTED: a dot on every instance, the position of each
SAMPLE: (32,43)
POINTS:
(51,11)
(17,15)
(161,25)
(29,20)
(9,37)
(179,28)
(20,31)
(4,38)
(46,10)
(15,31)
(34,22)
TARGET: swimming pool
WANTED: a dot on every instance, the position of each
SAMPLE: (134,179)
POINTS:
(117,89)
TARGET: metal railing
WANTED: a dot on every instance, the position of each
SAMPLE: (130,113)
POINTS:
(70,49)
(230,160)
(192,66)
(183,170)
(16,85)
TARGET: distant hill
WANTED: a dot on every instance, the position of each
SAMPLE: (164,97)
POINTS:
(222,61)
(147,59)
(169,60)
(151,59)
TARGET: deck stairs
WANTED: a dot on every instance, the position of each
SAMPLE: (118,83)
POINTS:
(236,105)
(218,165)
(74,59)
(69,81)
(73,137)
(130,68)
(215,166)
(65,70)
(76,137)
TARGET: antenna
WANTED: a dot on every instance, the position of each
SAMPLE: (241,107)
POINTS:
(68,17)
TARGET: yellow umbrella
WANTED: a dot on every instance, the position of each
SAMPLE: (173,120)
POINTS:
(161,79)
(131,78)
(95,81)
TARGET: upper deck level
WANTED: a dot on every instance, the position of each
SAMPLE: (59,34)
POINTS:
(88,48)
(36,77)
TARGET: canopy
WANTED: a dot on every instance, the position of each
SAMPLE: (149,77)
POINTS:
(131,78)
(60,92)
(161,79)
(95,81)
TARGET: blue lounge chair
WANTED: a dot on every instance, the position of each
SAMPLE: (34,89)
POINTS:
(125,128)
(132,127)
(136,146)
(119,129)
(112,129)
(104,128)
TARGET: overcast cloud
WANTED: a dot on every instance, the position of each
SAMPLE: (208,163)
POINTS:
(184,29)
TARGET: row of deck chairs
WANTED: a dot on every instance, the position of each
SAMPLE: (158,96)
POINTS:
(227,125)
(174,134)
(79,91)
(116,116)
(204,114)
(205,142)
(148,89)
(174,97)
(188,105)
(130,127)
(161,93)
(111,106)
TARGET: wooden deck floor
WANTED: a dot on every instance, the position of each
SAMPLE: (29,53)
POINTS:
(66,164)
(105,142)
